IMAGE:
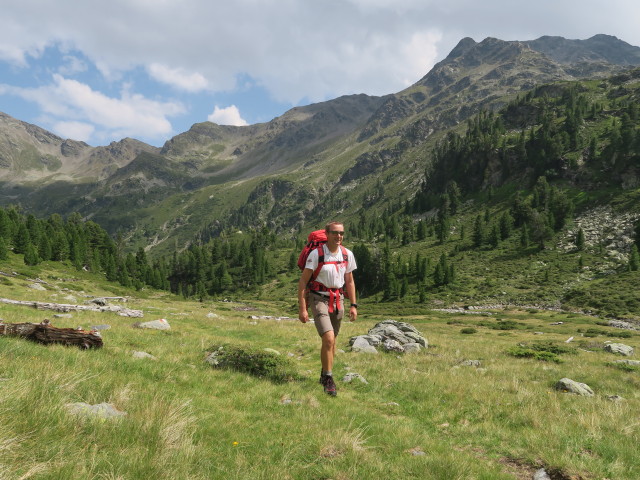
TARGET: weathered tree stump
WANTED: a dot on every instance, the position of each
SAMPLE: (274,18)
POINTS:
(46,334)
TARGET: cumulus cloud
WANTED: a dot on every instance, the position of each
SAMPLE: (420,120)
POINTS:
(75,130)
(227,116)
(178,78)
(296,51)
(73,103)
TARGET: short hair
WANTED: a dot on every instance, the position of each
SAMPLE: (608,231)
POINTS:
(327,227)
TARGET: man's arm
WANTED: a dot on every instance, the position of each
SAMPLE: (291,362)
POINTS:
(303,315)
(350,286)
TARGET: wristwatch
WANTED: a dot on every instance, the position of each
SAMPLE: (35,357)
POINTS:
(354,305)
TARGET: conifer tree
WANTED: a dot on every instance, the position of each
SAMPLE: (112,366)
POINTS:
(580,240)
(21,239)
(634,259)
(525,239)
(494,235)
(31,255)
(506,225)
(4,250)
(478,232)
(6,226)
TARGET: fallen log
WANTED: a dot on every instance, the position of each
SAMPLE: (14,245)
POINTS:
(46,334)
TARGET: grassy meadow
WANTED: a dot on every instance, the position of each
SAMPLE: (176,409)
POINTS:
(420,416)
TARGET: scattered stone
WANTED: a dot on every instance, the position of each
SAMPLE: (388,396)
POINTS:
(143,355)
(101,410)
(36,286)
(212,315)
(624,325)
(416,451)
(349,377)
(360,345)
(99,301)
(160,324)
(556,323)
(271,350)
(412,348)
(541,474)
(615,398)
(633,363)
(392,404)
(567,385)
(619,348)
(538,333)
(392,335)
(70,298)
(568,340)
(470,363)
(62,315)
(270,317)
(100,327)
(391,345)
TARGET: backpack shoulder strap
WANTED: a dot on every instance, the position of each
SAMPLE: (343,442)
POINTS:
(320,250)
(345,255)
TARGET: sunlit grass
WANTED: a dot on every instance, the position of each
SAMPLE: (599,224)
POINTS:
(420,416)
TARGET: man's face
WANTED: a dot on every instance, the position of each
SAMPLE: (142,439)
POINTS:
(335,234)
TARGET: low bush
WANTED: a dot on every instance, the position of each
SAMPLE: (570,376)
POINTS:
(254,361)
(544,351)
(468,331)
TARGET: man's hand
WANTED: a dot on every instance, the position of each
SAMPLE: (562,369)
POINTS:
(353,313)
(303,316)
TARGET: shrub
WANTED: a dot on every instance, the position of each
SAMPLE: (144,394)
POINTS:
(625,367)
(544,351)
(594,332)
(622,334)
(504,325)
(468,331)
(256,362)
(523,352)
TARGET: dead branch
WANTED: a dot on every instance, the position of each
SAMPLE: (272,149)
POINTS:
(46,334)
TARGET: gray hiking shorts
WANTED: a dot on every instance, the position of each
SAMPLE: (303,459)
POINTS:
(324,320)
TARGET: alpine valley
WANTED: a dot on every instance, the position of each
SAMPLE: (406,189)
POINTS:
(508,174)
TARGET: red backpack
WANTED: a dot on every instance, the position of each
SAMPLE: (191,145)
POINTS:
(316,240)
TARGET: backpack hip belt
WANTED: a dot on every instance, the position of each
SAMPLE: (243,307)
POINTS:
(334,294)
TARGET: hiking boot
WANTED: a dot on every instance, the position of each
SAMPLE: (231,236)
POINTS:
(329,385)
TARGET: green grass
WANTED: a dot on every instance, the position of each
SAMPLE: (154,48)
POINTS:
(188,420)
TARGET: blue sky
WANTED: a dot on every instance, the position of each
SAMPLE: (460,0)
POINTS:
(101,71)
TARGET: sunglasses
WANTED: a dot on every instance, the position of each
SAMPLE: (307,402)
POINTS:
(335,232)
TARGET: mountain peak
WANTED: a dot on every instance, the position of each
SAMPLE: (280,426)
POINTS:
(599,48)
(463,46)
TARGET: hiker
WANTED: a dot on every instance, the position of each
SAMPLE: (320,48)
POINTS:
(326,276)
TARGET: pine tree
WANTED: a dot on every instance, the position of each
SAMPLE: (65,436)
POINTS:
(506,225)
(494,235)
(580,240)
(31,255)
(478,232)
(4,250)
(21,239)
(634,259)
(525,239)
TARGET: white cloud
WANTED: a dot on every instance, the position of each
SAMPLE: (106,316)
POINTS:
(297,51)
(72,65)
(177,78)
(227,116)
(69,102)
(75,130)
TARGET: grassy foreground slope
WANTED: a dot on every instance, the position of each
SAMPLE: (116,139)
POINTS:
(420,416)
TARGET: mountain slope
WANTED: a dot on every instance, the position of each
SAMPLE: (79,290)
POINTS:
(358,150)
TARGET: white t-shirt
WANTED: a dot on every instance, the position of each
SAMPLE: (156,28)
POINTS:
(331,275)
